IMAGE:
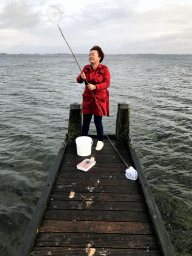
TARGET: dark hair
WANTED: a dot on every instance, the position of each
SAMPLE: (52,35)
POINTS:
(100,52)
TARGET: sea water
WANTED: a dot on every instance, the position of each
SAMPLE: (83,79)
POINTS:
(35,96)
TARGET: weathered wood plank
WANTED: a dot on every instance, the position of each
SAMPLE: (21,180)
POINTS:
(98,173)
(96,227)
(110,170)
(105,160)
(108,158)
(88,215)
(99,189)
(77,160)
(81,240)
(107,151)
(93,181)
(120,167)
(105,197)
(92,251)
(92,205)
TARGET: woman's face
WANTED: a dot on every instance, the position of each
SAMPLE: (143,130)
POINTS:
(94,57)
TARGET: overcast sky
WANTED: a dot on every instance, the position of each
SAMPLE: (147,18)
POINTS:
(121,26)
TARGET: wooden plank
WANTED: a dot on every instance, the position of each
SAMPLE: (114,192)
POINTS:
(88,215)
(105,165)
(111,171)
(107,150)
(99,189)
(111,157)
(108,158)
(76,160)
(105,197)
(96,227)
(96,173)
(92,251)
(81,240)
(93,181)
(92,205)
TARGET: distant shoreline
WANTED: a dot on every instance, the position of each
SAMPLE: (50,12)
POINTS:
(43,54)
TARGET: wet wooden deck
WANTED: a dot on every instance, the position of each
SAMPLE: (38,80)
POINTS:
(99,212)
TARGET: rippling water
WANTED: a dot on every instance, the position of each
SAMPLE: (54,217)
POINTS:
(36,92)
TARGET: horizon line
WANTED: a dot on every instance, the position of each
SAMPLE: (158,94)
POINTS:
(105,54)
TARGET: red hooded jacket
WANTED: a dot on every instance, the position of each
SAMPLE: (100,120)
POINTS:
(100,77)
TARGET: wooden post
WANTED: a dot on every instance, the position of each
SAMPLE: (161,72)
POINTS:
(75,121)
(123,121)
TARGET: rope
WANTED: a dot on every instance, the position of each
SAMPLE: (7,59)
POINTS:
(117,152)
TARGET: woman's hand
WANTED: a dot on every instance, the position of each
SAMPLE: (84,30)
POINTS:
(92,87)
(83,76)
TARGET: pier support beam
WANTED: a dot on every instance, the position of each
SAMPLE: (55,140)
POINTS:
(75,121)
(123,121)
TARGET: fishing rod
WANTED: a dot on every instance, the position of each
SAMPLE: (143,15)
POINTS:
(54,12)
(79,67)
(69,47)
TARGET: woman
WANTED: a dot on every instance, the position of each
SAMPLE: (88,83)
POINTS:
(96,95)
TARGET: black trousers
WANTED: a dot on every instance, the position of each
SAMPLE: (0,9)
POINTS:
(98,123)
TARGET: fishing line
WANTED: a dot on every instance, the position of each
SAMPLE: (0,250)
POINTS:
(54,13)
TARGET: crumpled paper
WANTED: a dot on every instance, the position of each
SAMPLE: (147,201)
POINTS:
(131,173)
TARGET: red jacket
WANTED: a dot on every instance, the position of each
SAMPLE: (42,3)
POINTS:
(101,78)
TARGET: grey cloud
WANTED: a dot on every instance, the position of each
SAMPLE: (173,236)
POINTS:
(115,13)
(117,27)
(170,43)
(19,15)
(123,12)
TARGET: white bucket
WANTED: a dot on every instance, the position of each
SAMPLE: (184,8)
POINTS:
(84,144)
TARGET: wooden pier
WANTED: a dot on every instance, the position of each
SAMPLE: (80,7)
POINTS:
(99,212)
